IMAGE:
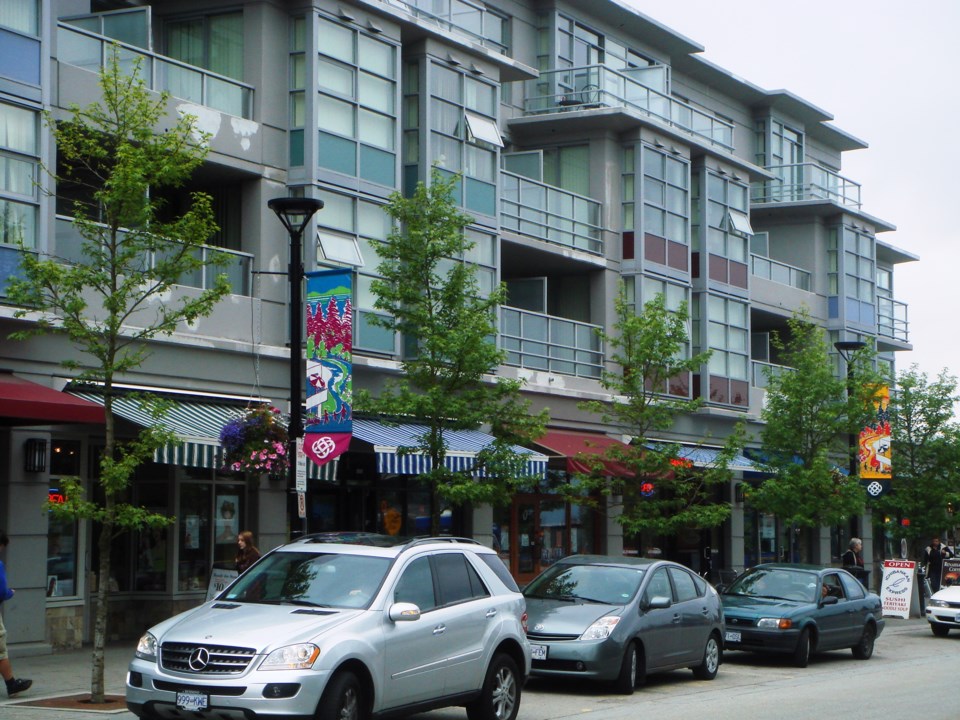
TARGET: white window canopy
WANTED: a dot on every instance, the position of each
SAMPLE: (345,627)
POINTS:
(740,223)
(483,129)
(342,249)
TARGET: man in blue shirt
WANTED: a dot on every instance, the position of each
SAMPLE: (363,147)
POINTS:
(14,685)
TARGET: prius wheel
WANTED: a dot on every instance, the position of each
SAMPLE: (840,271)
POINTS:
(864,649)
(629,670)
(341,700)
(801,655)
(500,696)
(707,669)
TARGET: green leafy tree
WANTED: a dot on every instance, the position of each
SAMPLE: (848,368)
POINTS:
(809,419)
(115,296)
(925,456)
(649,349)
(433,301)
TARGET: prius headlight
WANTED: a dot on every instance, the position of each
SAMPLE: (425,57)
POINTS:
(601,629)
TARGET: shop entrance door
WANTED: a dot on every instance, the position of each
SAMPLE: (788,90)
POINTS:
(542,531)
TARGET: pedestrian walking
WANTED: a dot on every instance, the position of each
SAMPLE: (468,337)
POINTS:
(933,556)
(14,685)
(852,560)
(247,552)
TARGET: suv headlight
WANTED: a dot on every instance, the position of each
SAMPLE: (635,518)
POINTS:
(775,623)
(601,629)
(291,657)
(147,647)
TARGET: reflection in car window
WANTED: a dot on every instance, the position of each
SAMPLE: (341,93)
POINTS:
(593,583)
(683,582)
(777,583)
(659,586)
(416,585)
(458,579)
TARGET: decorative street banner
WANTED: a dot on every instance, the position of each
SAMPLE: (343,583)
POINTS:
(874,454)
(896,590)
(328,424)
(950,575)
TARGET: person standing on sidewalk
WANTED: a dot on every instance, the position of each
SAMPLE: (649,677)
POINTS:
(14,685)
(933,556)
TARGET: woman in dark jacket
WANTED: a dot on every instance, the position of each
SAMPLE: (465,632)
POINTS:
(247,554)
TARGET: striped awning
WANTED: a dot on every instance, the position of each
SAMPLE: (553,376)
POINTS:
(462,448)
(700,456)
(197,422)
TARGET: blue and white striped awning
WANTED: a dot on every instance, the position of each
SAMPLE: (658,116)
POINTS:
(197,421)
(462,448)
(701,456)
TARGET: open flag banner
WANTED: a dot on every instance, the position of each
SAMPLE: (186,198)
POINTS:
(874,447)
(328,423)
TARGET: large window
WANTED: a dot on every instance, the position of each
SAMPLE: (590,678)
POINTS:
(851,255)
(727,336)
(568,168)
(641,290)
(210,516)
(63,556)
(213,42)
(20,15)
(19,160)
(728,231)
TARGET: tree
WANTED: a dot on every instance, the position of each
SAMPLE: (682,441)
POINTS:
(115,298)
(809,419)
(926,457)
(433,301)
(649,349)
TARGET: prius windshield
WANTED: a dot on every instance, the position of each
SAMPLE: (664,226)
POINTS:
(590,583)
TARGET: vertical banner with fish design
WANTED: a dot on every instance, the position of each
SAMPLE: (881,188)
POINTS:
(328,423)
(875,451)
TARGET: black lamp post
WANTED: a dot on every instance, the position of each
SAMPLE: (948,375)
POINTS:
(295,214)
(847,348)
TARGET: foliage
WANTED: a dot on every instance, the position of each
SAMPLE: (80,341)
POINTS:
(809,420)
(649,392)
(115,295)
(926,456)
(256,442)
(433,301)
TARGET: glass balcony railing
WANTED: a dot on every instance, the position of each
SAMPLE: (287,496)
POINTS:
(763,371)
(596,86)
(892,319)
(472,19)
(544,342)
(91,51)
(535,209)
(238,270)
(806,181)
(780,272)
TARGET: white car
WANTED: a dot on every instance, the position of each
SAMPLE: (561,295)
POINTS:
(344,626)
(943,610)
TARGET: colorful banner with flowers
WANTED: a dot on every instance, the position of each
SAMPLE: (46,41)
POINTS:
(328,423)
(874,448)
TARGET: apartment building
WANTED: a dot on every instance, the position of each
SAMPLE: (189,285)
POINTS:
(596,147)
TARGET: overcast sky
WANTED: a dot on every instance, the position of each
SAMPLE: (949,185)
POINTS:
(888,72)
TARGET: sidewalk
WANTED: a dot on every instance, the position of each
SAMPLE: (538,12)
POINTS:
(68,673)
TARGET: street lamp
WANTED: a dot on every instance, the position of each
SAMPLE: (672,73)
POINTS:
(295,214)
(847,348)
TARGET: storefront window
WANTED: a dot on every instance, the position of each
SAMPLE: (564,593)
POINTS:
(62,537)
(210,517)
(150,572)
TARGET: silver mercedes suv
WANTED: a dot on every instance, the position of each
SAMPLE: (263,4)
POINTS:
(347,627)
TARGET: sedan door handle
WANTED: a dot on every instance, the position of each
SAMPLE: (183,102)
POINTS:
(705,611)
(676,619)
(491,612)
(439,629)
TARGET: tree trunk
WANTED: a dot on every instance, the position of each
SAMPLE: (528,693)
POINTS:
(100,621)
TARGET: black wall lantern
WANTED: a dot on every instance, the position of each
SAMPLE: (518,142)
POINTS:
(35,455)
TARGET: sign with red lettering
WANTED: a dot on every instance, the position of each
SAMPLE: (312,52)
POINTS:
(896,589)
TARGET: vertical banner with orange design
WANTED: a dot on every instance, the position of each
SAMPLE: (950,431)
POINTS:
(874,447)
(328,425)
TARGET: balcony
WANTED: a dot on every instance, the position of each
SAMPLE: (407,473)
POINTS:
(543,212)
(892,319)
(779,272)
(91,51)
(238,270)
(471,19)
(544,342)
(763,371)
(806,181)
(597,86)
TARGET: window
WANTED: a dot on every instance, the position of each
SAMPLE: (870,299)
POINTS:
(339,248)
(684,585)
(483,129)
(568,168)
(210,517)
(416,585)
(62,538)
(851,253)
(727,337)
(20,15)
(740,223)
(19,163)
(458,580)
(213,42)
(666,197)
(659,586)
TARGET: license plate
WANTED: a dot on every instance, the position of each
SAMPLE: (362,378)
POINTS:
(732,637)
(538,652)
(192,700)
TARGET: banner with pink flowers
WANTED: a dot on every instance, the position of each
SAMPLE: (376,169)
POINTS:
(328,423)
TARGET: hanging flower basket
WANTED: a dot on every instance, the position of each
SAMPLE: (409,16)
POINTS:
(256,443)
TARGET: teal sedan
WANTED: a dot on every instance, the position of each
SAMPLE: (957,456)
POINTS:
(799,610)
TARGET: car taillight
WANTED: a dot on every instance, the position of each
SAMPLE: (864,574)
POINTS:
(523,623)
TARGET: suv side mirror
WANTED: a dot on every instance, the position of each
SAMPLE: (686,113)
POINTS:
(404,612)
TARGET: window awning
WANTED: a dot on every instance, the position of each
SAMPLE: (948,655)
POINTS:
(23,402)
(198,423)
(462,448)
(571,443)
(700,456)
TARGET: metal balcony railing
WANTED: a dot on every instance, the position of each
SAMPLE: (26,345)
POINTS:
(596,86)
(892,319)
(545,342)
(806,181)
(535,209)
(88,50)
(780,272)
(69,248)
(471,19)
(763,371)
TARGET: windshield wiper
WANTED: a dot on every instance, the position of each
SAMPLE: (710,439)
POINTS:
(770,597)
(306,603)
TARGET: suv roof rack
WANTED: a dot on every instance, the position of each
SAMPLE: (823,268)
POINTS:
(423,540)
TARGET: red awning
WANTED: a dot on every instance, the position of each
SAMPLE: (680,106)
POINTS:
(571,443)
(28,403)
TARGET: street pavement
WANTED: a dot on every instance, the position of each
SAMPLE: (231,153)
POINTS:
(68,673)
